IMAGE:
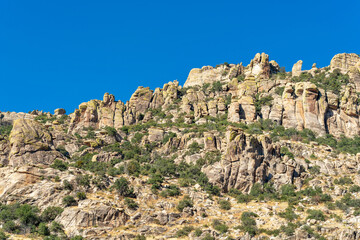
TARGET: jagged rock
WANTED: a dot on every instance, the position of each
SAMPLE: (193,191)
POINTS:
(30,143)
(59,112)
(259,67)
(296,70)
(344,61)
(76,218)
(155,134)
(208,74)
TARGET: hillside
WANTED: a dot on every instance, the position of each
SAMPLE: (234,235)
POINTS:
(238,152)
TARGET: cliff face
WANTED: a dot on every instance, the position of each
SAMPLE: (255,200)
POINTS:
(270,145)
(301,105)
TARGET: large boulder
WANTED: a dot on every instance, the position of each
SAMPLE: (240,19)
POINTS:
(30,143)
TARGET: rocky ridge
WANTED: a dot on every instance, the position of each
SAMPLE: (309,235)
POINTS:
(193,161)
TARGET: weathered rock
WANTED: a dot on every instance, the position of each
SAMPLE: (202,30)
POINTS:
(296,70)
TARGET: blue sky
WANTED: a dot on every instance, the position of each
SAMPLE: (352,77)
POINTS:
(61,53)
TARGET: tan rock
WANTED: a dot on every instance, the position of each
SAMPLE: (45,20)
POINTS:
(296,70)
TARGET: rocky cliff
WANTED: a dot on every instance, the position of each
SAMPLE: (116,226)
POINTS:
(239,152)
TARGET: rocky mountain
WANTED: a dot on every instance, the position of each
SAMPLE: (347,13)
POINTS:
(239,152)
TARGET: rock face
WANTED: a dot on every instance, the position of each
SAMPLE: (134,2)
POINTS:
(75,220)
(30,143)
(208,74)
(250,159)
(296,70)
(344,61)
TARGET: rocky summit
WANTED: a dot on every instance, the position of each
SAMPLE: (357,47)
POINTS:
(239,152)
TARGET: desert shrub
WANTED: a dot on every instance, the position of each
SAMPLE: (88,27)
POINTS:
(184,231)
(121,185)
(279,90)
(216,86)
(224,204)
(248,224)
(131,203)
(343,181)
(110,131)
(315,214)
(60,165)
(172,191)
(10,227)
(3,236)
(220,226)
(261,101)
(83,180)
(69,201)
(43,229)
(67,185)
(185,202)
(168,136)
(354,188)
(289,214)
(288,229)
(81,195)
(50,213)
(284,151)
(133,168)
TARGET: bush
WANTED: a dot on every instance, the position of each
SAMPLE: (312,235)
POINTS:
(208,237)
(172,191)
(110,131)
(279,90)
(184,231)
(67,185)
(69,201)
(248,224)
(50,213)
(28,215)
(287,191)
(197,232)
(289,214)
(343,181)
(216,86)
(131,203)
(220,226)
(185,202)
(168,136)
(224,204)
(122,187)
(3,236)
(81,195)
(133,167)
(43,229)
(60,165)
(284,151)
(354,188)
(10,227)
(289,230)
(83,180)
(315,214)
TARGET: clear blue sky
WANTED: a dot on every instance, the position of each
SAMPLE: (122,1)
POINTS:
(60,53)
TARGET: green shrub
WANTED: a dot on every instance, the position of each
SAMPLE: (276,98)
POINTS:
(286,152)
(184,231)
(172,191)
(3,236)
(289,214)
(185,202)
(110,131)
(28,215)
(131,203)
(279,90)
(60,165)
(224,204)
(69,201)
(50,213)
(289,229)
(10,227)
(220,226)
(133,168)
(208,237)
(248,224)
(197,232)
(315,214)
(81,195)
(343,181)
(354,188)
(67,185)
(122,187)
(77,238)
(83,180)
(56,227)
(216,86)
(168,136)
(43,229)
